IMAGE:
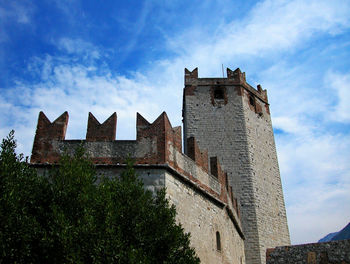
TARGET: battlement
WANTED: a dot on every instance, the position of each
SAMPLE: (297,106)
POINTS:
(46,133)
(156,143)
(234,78)
(193,151)
(150,146)
(101,132)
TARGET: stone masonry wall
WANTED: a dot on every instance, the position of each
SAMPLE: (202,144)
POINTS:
(203,218)
(223,134)
(153,177)
(231,119)
(267,188)
(198,212)
(334,252)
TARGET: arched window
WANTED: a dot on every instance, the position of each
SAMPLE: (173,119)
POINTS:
(218,241)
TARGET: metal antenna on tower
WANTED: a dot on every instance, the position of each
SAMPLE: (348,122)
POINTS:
(222,66)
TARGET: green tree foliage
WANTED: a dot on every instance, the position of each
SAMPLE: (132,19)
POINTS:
(71,216)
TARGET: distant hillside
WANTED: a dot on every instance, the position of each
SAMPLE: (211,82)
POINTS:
(328,237)
(340,235)
(343,234)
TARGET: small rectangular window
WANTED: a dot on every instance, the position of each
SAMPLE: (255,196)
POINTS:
(218,241)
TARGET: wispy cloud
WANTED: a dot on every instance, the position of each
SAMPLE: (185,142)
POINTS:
(340,83)
(134,28)
(70,9)
(79,47)
(15,13)
(271,27)
(314,156)
(78,89)
(316,180)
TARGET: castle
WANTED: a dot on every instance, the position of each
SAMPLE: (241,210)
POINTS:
(225,184)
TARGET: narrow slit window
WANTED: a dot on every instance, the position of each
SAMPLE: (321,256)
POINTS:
(214,166)
(218,241)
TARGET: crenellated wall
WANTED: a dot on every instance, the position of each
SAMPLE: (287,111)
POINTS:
(149,148)
(204,199)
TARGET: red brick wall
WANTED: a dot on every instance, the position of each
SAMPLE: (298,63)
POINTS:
(101,132)
(47,132)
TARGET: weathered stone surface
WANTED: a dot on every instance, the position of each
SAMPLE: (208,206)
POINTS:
(334,252)
(203,218)
(237,129)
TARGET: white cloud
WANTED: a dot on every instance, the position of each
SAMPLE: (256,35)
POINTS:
(68,7)
(15,12)
(79,47)
(314,157)
(316,178)
(78,89)
(290,125)
(340,83)
(271,27)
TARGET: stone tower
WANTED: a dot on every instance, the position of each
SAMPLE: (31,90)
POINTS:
(231,119)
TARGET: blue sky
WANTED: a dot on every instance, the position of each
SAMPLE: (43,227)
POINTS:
(129,56)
